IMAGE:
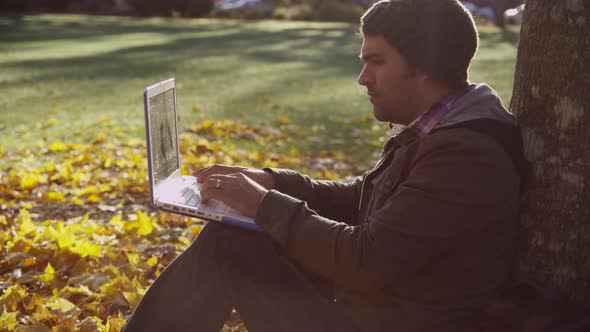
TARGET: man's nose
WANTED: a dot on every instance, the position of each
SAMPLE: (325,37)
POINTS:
(364,77)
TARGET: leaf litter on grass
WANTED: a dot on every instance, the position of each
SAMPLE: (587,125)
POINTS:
(80,243)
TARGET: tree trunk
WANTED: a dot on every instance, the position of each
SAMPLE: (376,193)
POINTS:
(551,99)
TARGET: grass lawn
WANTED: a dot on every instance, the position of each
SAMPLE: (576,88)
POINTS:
(61,74)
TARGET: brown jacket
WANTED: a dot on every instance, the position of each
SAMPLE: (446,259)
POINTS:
(419,243)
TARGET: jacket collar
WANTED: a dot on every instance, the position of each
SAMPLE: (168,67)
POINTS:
(422,125)
(406,136)
(401,138)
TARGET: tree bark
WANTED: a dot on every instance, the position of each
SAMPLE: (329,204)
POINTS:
(551,99)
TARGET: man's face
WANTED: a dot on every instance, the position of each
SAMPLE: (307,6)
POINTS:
(392,84)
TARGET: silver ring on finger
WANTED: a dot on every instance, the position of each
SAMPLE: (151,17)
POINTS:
(218,184)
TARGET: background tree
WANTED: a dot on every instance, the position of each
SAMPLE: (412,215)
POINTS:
(552,101)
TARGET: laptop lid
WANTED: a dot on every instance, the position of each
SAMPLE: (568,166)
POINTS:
(161,129)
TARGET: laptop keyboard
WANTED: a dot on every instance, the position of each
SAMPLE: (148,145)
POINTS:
(190,196)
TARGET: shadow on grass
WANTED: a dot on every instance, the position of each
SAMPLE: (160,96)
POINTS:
(203,48)
(325,50)
(44,29)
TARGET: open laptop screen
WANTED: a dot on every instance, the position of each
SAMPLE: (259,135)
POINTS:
(163,135)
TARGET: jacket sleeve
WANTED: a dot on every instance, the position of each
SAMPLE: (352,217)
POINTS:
(331,199)
(455,187)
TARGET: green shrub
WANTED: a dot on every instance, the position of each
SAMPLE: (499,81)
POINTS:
(322,11)
(257,14)
(238,14)
(190,8)
(281,13)
(339,12)
(302,12)
(231,14)
(279,3)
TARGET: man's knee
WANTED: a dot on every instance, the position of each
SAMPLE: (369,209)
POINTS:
(203,249)
(210,230)
(226,241)
(208,238)
(233,245)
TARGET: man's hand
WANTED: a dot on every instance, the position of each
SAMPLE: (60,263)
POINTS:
(236,190)
(261,177)
(239,187)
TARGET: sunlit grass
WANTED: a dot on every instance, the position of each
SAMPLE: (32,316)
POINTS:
(59,75)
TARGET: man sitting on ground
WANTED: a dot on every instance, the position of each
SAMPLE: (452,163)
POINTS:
(421,242)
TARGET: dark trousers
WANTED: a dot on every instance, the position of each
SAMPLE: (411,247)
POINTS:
(229,267)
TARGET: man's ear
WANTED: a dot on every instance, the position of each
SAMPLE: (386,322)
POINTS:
(423,77)
(426,80)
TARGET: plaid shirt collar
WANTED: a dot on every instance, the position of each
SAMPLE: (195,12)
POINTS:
(428,120)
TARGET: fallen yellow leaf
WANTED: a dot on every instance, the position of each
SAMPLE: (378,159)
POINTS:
(51,122)
(94,198)
(8,320)
(60,304)
(133,258)
(152,261)
(57,146)
(284,120)
(56,196)
(26,225)
(30,180)
(48,274)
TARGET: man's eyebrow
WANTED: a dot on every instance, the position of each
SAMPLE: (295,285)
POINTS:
(370,56)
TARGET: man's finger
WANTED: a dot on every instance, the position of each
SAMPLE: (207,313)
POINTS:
(204,173)
(214,183)
(210,193)
(205,195)
(200,174)
(220,181)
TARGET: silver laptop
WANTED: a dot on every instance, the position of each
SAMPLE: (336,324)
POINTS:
(170,190)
